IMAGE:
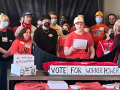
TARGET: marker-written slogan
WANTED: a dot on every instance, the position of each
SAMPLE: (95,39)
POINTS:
(84,70)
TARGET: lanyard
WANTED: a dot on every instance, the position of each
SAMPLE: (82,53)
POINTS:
(107,45)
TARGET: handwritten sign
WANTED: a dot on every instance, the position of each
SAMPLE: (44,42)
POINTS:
(23,70)
(84,70)
(55,70)
(76,70)
(23,59)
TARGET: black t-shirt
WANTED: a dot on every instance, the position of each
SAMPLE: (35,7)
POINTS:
(46,39)
(6,45)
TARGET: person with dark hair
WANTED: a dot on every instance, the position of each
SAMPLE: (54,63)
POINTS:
(6,39)
(106,45)
(46,37)
(61,41)
(27,18)
(23,42)
(111,20)
(54,24)
(39,22)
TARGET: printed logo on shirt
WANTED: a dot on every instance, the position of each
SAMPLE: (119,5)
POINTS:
(96,32)
(50,35)
(61,47)
(24,49)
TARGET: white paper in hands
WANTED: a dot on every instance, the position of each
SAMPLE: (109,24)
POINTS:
(80,43)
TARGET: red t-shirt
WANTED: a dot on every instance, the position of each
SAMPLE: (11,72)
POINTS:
(21,47)
(61,48)
(97,32)
(102,46)
(79,53)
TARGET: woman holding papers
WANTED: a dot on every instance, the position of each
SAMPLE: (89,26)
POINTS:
(61,41)
(79,44)
(106,45)
(23,43)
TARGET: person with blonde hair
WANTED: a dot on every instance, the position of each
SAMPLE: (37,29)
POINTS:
(6,39)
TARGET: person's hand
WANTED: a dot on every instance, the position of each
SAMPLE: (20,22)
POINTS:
(6,54)
(72,48)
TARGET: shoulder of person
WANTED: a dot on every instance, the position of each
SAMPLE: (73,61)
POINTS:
(58,27)
(102,41)
(33,27)
(10,31)
(53,30)
(104,25)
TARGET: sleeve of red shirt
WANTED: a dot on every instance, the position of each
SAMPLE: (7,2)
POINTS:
(15,47)
(99,50)
(68,41)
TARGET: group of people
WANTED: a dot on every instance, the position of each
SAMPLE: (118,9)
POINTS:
(77,42)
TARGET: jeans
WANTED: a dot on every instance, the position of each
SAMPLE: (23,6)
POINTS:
(3,75)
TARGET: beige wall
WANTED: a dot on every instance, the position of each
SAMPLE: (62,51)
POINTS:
(110,6)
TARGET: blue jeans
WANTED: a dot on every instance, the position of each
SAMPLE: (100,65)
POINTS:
(3,75)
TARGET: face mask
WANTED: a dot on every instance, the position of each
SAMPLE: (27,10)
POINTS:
(5,24)
(111,35)
(47,24)
(65,32)
(98,20)
(53,21)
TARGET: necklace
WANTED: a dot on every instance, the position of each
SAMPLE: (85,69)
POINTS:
(46,31)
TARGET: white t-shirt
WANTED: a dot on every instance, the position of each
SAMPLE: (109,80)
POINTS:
(33,28)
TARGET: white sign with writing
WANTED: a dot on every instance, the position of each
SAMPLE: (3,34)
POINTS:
(84,70)
(94,70)
(23,70)
(23,59)
(58,70)
(76,70)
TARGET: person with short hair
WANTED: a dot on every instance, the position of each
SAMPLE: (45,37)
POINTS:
(105,46)
(6,39)
(46,37)
(98,29)
(54,24)
(61,41)
(27,18)
(86,51)
(111,20)
(39,22)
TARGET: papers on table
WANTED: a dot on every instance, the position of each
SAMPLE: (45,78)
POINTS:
(80,43)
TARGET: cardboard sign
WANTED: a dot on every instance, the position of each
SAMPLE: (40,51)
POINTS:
(58,70)
(76,70)
(84,70)
(23,70)
(23,59)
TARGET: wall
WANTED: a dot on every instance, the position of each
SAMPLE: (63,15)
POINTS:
(110,6)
